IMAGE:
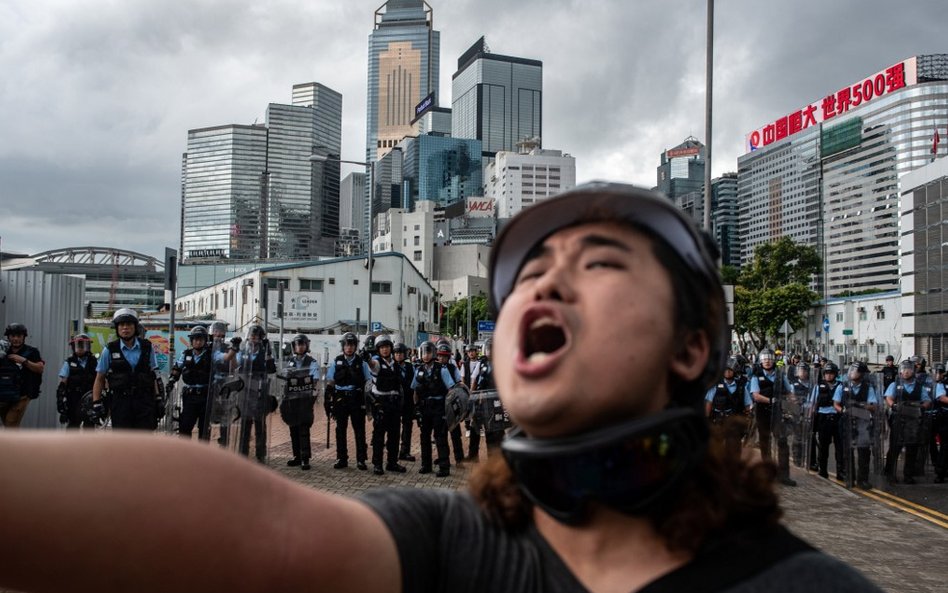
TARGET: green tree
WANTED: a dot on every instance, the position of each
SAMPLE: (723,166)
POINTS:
(455,318)
(772,289)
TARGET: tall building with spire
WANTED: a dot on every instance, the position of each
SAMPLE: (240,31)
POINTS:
(404,52)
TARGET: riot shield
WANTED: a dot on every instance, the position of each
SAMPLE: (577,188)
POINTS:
(223,390)
(296,408)
(168,424)
(488,412)
(250,434)
(457,404)
(792,425)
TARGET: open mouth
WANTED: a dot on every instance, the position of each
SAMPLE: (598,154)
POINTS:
(543,335)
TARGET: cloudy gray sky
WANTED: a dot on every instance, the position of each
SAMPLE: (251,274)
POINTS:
(97,96)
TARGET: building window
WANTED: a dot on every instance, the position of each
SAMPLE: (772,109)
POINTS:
(382,288)
(417,227)
(332,281)
(880,348)
(417,257)
(880,312)
(355,281)
(417,240)
(274,283)
(839,317)
(862,314)
(312,284)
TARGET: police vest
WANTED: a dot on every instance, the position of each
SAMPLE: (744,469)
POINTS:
(388,379)
(766,385)
(725,402)
(406,372)
(888,375)
(260,365)
(856,395)
(801,390)
(430,383)
(299,382)
(195,371)
(824,394)
(937,406)
(124,380)
(11,380)
(349,374)
(80,377)
(903,394)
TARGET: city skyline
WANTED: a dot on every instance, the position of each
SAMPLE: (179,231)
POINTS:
(103,159)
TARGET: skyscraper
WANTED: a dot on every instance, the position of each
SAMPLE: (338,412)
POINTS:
(251,192)
(682,169)
(496,99)
(404,52)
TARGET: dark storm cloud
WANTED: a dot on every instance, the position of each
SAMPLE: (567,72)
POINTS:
(98,96)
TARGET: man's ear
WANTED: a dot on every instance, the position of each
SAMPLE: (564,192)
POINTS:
(692,358)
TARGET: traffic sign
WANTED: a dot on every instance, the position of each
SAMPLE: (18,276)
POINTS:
(485,326)
(847,332)
(376,326)
(826,323)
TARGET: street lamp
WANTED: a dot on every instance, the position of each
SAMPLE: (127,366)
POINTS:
(321,158)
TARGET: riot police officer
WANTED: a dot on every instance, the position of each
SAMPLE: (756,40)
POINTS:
(826,424)
(799,390)
(256,363)
(890,372)
(906,400)
(21,373)
(765,386)
(940,424)
(130,366)
(728,404)
(301,376)
(345,385)
(406,374)
(224,354)
(75,380)
(447,362)
(386,403)
(430,385)
(470,371)
(493,431)
(194,368)
(857,402)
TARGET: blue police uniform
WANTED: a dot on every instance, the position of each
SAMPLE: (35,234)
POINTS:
(78,372)
(194,369)
(856,428)
(296,409)
(826,425)
(256,401)
(349,373)
(386,413)
(908,399)
(431,384)
(940,432)
(131,373)
(406,373)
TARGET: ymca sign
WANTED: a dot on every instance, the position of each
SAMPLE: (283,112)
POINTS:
(480,207)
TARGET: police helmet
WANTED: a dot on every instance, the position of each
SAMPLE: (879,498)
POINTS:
(859,368)
(15,329)
(426,348)
(444,348)
(369,343)
(80,339)
(384,340)
(830,367)
(471,347)
(488,344)
(349,338)
(198,331)
(765,354)
(400,348)
(219,327)
(802,366)
(124,315)
(889,357)
(939,367)
(300,339)
(734,364)
(256,330)
(908,364)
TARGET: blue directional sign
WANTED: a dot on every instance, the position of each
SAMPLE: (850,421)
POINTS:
(485,326)
(376,326)
(826,323)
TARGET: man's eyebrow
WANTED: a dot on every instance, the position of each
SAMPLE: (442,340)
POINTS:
(537,251)
(603,241)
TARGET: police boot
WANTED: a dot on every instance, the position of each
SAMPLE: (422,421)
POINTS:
(377,470)
(305,464)
(294,462)
(340,464)
(362,466)
(443,472)
(394,467)
(425,469)
(406,457)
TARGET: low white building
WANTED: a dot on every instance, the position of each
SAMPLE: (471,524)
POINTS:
(328,297)
(408,233)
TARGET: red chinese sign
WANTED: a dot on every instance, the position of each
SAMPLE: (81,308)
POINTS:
(878,85)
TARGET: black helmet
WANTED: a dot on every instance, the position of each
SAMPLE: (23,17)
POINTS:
(830,367)
(734,364)
(859,367)
(80,339)
(908,363)
(401,348)
(472,347)
(369,343)
(384,340)
(219,327)
(198,331)
(15,329)
(444,347)
(124,315)
(426,348)
(349,338)
(939,367)
(300,339)
(256,330)
(889,357)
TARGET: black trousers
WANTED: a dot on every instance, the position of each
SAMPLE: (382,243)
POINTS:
(134,411)
(347,407)
(827,431)
(408,420)
(193,411)
(386,425)
(940,430)
(258,424)
(300,440)
(432,421)
(457,444)
(764,415)
(74,411)
(892,458)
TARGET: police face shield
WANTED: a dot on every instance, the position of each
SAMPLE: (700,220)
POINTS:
(633,467)
(81,344)
(907,370)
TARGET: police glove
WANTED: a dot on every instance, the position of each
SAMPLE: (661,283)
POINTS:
(419,416)
(63,418)
(274,404)
(98,412)
(61,391)
(235,343)
(169,388)
(159,407)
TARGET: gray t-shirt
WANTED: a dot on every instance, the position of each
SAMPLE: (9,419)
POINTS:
(446,543)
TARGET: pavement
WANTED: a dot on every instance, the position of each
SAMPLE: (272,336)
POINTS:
(899,544)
